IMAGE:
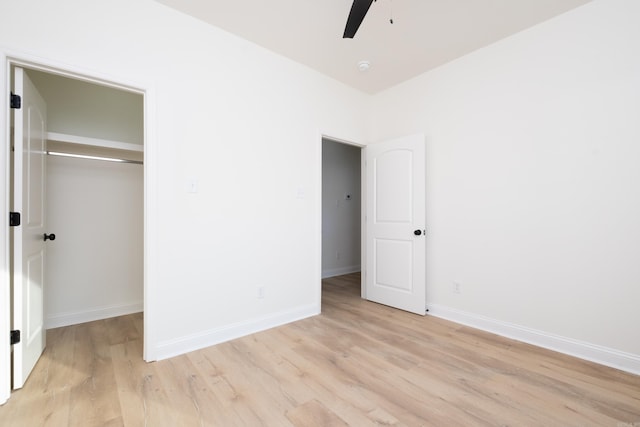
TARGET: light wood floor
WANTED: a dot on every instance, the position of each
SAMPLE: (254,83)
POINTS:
(357,364)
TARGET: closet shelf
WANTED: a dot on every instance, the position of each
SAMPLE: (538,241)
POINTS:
(83,140)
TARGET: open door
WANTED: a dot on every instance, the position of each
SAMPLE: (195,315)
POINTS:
(395,223)
(29,237)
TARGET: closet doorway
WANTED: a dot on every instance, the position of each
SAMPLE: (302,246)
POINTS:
(94,204)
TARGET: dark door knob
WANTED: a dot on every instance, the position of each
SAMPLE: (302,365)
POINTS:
(49,236)
(417,232)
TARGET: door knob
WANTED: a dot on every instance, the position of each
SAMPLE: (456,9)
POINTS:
(417,232)
(49,236)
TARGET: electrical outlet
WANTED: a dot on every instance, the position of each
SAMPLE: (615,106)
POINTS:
(456,288)
(337,255)
(260,292)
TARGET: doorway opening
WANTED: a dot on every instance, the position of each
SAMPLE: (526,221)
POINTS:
(93,197)
(341,210)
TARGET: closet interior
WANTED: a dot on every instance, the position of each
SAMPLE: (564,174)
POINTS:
(94,199)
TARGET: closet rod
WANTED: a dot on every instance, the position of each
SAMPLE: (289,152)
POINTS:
(82,156)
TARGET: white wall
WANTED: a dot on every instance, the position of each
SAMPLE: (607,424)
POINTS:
(533,184)
(242,122)
(94,267)
(340,216)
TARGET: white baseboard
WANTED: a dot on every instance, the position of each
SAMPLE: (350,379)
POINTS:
(595,353)
(331,272)
(192,342)
(96,313)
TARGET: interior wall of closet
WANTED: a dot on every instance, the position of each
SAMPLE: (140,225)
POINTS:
(94,268)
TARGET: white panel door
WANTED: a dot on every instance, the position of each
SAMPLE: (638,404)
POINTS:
(29,245)
(395,223)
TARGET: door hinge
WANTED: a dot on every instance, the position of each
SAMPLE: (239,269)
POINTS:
(14,219)
(15,337)
(16,101)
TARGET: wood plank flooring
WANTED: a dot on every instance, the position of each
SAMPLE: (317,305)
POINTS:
(357,364)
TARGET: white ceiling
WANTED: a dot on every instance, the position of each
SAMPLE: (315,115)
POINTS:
(425,33)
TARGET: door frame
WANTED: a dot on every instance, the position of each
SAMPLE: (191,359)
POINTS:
(363,205)
(9,59)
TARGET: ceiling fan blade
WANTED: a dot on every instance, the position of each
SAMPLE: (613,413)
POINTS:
(358,11)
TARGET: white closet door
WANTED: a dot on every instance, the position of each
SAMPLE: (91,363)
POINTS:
(30,152)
